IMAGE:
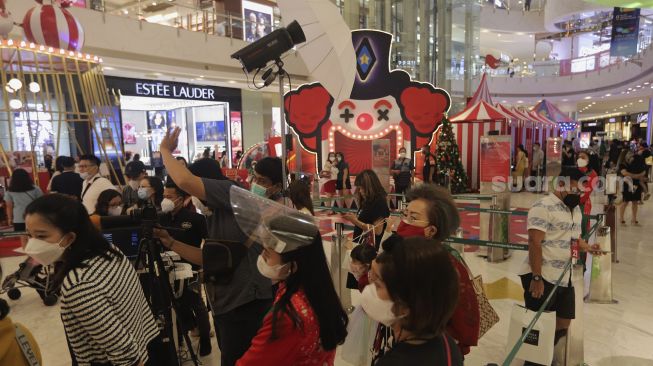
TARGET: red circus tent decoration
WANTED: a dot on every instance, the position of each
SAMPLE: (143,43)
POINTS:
(551,112)
(482,93)
(469,126)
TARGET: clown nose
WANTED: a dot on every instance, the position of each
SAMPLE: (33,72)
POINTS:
(365,121)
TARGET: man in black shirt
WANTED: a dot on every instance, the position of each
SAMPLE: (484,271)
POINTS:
(192,230)
(68,182)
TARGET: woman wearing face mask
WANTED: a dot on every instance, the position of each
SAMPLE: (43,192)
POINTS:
(413,290)
(633,168)
(307,321)
(373,206)
(342,179)
(109,203)
(431,213)
(328,177)
(103,309)
(151,190)
(583,163)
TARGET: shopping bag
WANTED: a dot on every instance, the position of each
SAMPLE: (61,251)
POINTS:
(538,345)
(357,349)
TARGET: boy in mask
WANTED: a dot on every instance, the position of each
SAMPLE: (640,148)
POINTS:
(135,172)
(553,222)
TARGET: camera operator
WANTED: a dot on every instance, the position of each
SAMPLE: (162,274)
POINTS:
(240,304)
(192,231)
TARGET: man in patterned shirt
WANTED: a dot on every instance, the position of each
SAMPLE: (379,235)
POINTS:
(553,221)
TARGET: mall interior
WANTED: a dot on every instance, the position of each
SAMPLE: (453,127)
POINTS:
(530,119)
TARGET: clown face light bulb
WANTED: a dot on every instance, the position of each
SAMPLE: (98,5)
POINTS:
(15,104)
(15,84)
(34,87)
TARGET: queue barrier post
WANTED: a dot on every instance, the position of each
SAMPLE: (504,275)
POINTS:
(459,247)
(499,226)
(601,270)
(338,274)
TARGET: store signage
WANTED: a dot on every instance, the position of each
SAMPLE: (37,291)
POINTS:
(591,124)
(177,91)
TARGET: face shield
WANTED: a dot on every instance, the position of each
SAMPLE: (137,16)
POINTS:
(274,225)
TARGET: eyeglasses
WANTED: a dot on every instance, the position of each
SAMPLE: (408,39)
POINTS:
(405,216)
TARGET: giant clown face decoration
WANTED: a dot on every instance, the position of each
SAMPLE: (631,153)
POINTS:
(383,104)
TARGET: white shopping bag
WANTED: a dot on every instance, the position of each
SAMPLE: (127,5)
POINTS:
(357,349)
(538,346)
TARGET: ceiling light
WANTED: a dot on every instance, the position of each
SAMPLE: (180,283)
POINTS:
(520,33)
(504,101)
(588,97)
(608,95)
(232,81)
(520,101)
(15,104)
(484,31)
(498,34)
(15,84)
(108,68)
(34,87)
(641,101)
(646,83)
(565,100)
(530,35)
(639,86)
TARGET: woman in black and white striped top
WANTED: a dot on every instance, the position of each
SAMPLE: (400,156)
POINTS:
(103,309)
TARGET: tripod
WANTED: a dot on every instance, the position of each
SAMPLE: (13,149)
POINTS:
(161,296)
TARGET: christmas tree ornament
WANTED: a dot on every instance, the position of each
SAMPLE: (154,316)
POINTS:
(53,25)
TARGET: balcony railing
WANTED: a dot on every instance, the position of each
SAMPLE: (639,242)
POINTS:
(206,19)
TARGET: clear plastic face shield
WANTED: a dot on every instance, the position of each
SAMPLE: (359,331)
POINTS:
(274,225)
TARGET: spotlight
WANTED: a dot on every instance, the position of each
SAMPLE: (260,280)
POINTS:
(34,87)
(15,104)
(256,55)
(15,84)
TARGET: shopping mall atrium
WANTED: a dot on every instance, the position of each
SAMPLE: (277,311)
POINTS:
(530,119)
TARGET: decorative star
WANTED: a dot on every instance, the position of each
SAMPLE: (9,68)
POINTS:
(364,60)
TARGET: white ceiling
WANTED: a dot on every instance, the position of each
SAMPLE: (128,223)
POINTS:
(155,104)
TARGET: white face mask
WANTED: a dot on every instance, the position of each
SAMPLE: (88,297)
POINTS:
(143,193)
(271,272)
(332,159)
(204,210)
(44,252)
(167,205)
(115,211)
(402,155)
(339,158)
(377,308)
(582,163)
(85,175)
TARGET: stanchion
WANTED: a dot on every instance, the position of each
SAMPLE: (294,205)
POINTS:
(339,274)
(499,230)
(459,247)
(601,270)
(573,346)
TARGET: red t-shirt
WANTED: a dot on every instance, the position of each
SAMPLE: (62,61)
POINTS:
(294,346)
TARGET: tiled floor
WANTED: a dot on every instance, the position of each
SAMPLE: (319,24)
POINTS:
(615,335)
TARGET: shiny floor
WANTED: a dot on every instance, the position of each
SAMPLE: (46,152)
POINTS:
(620,334)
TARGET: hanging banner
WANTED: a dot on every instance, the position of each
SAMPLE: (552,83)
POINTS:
(495,158)
(625,32)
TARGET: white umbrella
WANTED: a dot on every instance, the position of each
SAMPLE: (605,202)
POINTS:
(328,52)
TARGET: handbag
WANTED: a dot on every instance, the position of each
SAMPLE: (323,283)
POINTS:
(488,316)
(539,345)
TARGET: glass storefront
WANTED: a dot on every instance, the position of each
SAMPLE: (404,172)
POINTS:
(209,118)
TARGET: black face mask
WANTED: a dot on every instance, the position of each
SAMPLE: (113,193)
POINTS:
(571,200)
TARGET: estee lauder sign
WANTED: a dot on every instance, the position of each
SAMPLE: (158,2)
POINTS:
(168,89)
(177,91)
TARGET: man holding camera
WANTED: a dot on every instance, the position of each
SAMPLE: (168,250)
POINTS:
(240,301)
(191,230)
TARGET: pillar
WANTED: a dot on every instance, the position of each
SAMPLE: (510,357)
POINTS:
(649,121)
(443,38)
(352,13)
(469,47)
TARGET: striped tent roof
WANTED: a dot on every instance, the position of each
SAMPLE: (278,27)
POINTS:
(482,93)
(481,111)
(509,112)
(542,119)
(550,111)
(524,116)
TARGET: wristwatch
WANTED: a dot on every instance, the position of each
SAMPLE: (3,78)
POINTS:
(537,278)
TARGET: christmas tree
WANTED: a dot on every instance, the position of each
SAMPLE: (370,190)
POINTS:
(449,168)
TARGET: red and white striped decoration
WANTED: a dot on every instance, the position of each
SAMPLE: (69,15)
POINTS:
(53,26)
(482,93)
(468,135)
(481,111)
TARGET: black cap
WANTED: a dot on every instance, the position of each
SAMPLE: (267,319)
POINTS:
(134,169)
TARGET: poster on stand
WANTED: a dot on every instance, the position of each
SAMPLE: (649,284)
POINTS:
(495,158)
(129,133)
(381,161)
(257,19)
(585,139)
(236,132)
(78,3)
